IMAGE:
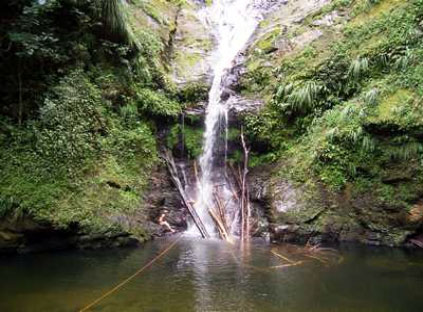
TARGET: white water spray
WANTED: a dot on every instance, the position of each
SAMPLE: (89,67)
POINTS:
(232,23)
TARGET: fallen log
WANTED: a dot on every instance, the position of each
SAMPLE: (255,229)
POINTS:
(221,208)
(177,182)
(222,232)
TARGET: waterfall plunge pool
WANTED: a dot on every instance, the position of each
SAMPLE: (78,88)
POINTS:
(211,275)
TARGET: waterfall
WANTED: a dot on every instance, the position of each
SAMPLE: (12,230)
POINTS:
(232,23)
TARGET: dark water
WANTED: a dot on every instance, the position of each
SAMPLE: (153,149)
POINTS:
(198,275)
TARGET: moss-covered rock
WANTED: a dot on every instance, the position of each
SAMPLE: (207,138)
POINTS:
(341,82)
(191,46)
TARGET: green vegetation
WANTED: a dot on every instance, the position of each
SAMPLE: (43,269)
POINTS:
(348,112)
(86,96)
(186,139)
(82,92)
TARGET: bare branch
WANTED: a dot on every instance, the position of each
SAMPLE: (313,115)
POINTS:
(174,174)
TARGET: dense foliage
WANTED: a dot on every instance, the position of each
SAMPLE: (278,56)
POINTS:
(81,91)
(347,110)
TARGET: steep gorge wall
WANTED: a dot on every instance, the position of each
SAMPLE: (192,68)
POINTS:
(348,165)
(300,181)
(377,200)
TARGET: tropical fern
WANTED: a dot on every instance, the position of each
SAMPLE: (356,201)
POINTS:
(157,104)
(348,111)
(371,97)
(402,62)
(358,68)
(382,60)
(115,18)
(353,134)
(367,143)
(129,114)
(304,97)
(332,133)
(351,169)
(406,151)
(284,90)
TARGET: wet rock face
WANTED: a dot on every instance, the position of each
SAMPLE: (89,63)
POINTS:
(276,14)
(259,196)
(192,44)
(267,6)
(163,197)
(310,212)
(285,197)
(259,186)
(289,14)
(239,105)
(22,234)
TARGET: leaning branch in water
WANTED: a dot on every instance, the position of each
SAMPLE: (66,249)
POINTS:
(220,223)
(220,227)
(174,175)
(222,209)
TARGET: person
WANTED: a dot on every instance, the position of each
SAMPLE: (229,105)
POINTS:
(164,223)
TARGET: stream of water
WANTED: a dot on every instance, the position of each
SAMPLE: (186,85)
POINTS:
(211,275)
(232,23)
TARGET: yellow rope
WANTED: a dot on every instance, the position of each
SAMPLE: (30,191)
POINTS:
(120,285)
(281,256)
(168,248)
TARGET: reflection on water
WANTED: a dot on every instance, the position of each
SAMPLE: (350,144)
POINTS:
(211,275)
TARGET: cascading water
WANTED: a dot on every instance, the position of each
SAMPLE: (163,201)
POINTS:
(232,23)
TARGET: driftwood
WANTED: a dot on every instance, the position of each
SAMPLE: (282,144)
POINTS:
(218,215)
(220,222)
(236,175)
(174,174)
(220,227)
(221,209)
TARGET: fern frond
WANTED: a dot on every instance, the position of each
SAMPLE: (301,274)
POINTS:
(371,97)
(358,68)
(303,97)
(348,111)
(332,133)
(402,62)
(116,22)
(367,144)
(284,90)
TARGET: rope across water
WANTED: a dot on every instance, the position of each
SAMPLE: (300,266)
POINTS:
(124,282)
(331,258)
